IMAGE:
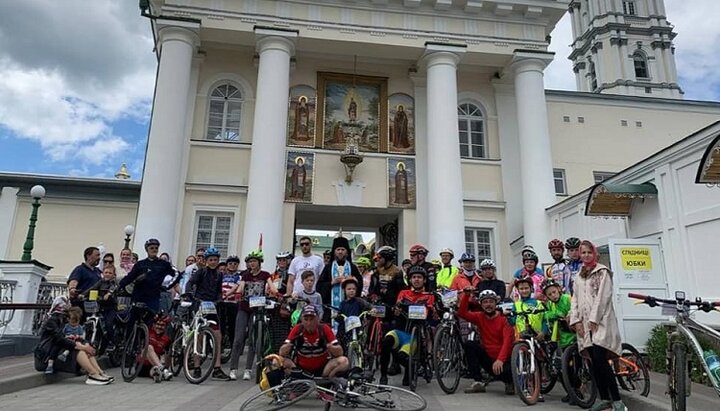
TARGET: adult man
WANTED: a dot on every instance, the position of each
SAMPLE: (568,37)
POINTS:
(469,276)
(572,245)
(192,268)
(147,275)
(206,285)
(447,271)
(490,280)
(84,275)
(418,253)
(332,276)
(387,279)
(493,353)
(313,342)
(559,271)
(301,263)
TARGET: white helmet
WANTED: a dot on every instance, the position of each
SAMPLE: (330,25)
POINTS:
(487,263)
(485,294)
(448,251)
(283,254)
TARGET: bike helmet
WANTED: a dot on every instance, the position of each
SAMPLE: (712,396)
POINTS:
(406,262)
(550,283)
(348,281)
(363,261)
(488,263)
(212,252)
(467,257)
(283,254)
(418,249)
(152,241)
(530,256)
(232,259)
(447,251)
(255,255)
(555,243)
(488,294)
(526,280)
(387,253)
(572,242)
(416,269)
(436,262)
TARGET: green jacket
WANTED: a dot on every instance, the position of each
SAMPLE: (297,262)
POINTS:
(536,321)
(445,276)
(560,329)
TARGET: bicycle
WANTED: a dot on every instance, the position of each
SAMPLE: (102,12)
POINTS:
(375,334)
(679,340)
(259,336)
(448,355)
(355,392)
(420,356)
(353,330)
(194,344)
(136,342)
(578,379)
(631,371)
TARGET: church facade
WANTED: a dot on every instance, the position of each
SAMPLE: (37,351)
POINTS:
(421,120)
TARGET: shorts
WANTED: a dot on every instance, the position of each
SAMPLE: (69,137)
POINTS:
(403,341)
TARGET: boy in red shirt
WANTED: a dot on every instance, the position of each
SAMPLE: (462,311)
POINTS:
(493,354)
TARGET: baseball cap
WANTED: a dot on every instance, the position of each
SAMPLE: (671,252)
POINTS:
(309,310)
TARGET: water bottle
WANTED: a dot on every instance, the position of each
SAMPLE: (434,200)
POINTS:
(713,363)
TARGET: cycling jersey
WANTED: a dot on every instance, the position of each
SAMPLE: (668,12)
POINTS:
(159,342)
(412,297)
(555,317)
(536,321)
(496,332)
(537,279)
(207,283)
(387,284)
(311,349)
(147,289)
(461,281)
(446,275)
(560,272)
(575,266)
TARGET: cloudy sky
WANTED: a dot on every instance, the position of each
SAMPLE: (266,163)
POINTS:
(77,77)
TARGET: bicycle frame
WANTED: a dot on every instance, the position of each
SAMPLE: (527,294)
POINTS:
(685,325)
(189,331)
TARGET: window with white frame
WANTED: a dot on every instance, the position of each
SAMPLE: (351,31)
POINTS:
(213,230)
(478,241)
(471,126)
(629,7)
(600,176)
(641,66)
(224,113)
(560,184)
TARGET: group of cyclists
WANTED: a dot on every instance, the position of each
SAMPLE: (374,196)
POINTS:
(334,286)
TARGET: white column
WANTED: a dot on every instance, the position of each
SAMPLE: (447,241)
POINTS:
(28,276)
(421,160)
(163,160)
(659,75)
(264,207)
(446,223)
(8,208)
(536,167)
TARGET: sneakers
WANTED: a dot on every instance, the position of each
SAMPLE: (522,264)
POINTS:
(509,388)
(406,380)
(155,374)
(49,370)
(393,369)
(601,405)
(219,374)
(541,398)
(383,380)
(109,377)
(475,387)
(63,355)
(167,374)
(97,380)
(196,373)
(618,406)
(233,375)
(246,375)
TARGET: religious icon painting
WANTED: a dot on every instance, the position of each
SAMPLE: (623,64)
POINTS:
(401,120)
(301,116)
(401,182)
(352,108)
(299,176)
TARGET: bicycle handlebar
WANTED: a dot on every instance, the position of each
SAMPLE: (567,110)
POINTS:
(706,306)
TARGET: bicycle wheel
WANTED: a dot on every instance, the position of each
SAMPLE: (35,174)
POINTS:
(279,397)
(428,366)
(385,397)
(176,352)
(374,342)
(200,355)
(678,377)
(577,378)
(631,372)
(133,355)
(414,358)
(447,359)
(355,356)
(527,381)
(547,377)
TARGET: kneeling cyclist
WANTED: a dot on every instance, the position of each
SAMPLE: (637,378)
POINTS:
(317,351)
(398,340)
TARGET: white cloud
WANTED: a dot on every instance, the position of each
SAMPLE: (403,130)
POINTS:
(559,74)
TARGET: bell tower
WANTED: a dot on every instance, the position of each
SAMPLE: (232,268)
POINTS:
(623,47)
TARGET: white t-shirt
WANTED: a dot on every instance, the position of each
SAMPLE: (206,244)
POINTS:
(300,264)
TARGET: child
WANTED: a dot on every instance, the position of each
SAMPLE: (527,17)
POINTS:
(72,330)
(526,303)
(352,306)
(106,302)
(307,293)
(558,309)
(529,271)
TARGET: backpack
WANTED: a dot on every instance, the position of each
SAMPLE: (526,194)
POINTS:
(298,341)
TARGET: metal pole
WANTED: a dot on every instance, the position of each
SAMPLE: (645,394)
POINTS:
(29,243)
(127,241)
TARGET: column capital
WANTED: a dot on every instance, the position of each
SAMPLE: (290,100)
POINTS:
(275,39)
(440,53)
(186,33)
(528,60)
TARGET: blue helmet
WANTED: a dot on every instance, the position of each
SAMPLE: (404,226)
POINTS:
(467,257)
(212,252)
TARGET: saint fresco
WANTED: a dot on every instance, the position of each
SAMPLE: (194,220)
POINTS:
(401,119)
(301,116)
(401,182)
(353,107)
(299,167)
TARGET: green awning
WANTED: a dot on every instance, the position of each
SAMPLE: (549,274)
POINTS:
(615,200)
(709,168)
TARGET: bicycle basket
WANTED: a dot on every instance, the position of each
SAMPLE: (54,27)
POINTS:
(352,322)
(91,307)
(123,303)
(207,307)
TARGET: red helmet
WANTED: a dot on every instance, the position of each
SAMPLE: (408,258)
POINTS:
(555,243)
(419,249)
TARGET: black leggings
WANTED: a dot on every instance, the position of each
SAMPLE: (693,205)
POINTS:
(604,375)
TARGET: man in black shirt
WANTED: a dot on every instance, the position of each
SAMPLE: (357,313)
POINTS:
(84,275)
(490,281)
(147,275)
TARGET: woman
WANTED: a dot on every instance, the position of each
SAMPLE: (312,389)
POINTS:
(593,317)
(126,263)
(53,341)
